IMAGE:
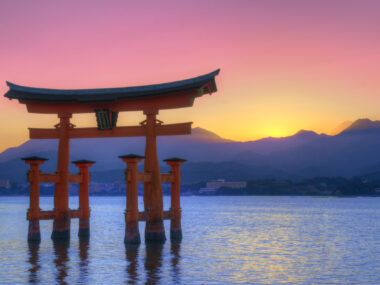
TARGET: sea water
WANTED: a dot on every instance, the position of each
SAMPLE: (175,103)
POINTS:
(226,240)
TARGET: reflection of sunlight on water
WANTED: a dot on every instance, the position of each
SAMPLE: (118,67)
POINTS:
(268,244)
(226,240)
(270,253)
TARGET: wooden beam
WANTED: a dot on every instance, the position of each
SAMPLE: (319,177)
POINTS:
(166,177)
(167,215)
(144,216)
(54,178)
(146,177)
(134,131)
(43,133)
(131,131)
(76,133)
(143,177)
(50,215)
(47,215)
(174,129)
(75,178)
(49,178)
(75,214)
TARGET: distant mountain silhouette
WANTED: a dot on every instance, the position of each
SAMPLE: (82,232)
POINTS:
(353,152)
(199,134)
(269,145)
(363,125)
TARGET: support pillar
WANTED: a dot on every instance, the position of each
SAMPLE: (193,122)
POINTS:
(132,233)
(175,223)
(153,202)
(84,206)
(33,214)
(61,224)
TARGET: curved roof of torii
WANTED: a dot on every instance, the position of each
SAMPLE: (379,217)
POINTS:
(205,84)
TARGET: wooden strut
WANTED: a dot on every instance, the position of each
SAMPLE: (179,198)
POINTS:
(50,215)
(146,177)
(54,178)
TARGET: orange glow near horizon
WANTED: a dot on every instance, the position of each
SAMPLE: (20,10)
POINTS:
(285,65)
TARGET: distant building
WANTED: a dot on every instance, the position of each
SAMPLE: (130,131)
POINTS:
(213,186)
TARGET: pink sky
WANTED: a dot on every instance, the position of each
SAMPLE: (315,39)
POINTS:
(285,65)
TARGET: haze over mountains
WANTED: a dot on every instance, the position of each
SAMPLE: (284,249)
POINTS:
(355,151)
(340,128)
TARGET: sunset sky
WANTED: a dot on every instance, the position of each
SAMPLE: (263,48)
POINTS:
(285,65)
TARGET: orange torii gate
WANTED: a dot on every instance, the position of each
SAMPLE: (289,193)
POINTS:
(106,104)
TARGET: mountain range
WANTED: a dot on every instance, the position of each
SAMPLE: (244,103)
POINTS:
(354,151)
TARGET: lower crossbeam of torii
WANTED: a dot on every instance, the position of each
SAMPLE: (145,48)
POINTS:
(106,104)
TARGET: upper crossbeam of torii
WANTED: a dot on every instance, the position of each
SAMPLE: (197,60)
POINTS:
(106,103)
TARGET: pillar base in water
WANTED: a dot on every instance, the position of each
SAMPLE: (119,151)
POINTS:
(175,229)
(84,228)
(34,230)
(175,235)
(59,234)
(132,234)
(155,232)
(61,227)
(84,232)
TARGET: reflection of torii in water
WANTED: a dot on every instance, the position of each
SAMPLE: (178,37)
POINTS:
(106,104)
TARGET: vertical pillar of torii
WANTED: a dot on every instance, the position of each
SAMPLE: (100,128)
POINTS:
(175,203)
(33,214)
(84,206)
(61,224)
(132,233)
(153,201)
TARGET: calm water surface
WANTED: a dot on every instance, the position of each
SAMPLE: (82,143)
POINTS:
(227,240)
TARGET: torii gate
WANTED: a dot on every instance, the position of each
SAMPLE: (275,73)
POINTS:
(106,104)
